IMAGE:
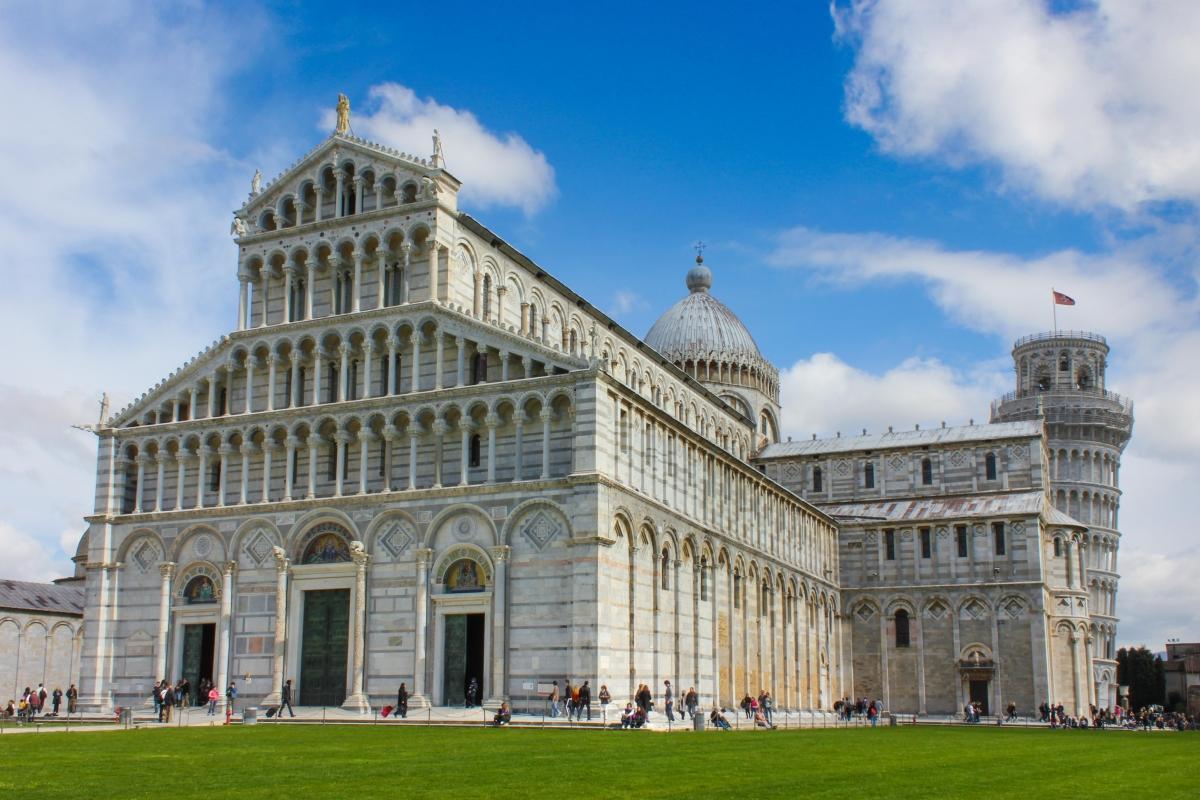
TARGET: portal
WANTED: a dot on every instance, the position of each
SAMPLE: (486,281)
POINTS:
(463,657)
(198,647)
(323,647)
(979,694)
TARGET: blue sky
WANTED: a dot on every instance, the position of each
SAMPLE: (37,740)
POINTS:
(888,190)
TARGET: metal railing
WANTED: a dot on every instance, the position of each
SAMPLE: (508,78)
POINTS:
(1052,335)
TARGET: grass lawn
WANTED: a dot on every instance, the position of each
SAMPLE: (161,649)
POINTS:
(304,762)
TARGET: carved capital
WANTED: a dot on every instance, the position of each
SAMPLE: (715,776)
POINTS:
(501,553)
(166,569)
(423,556)
(229,568)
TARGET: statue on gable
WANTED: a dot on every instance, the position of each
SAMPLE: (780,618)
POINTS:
(256,183)
(438,158)
(238,228)
(343,116)
(430,186)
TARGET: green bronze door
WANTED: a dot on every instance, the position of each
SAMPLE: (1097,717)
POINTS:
(323,647)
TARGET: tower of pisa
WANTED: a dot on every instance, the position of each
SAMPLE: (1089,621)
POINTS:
(1061,378)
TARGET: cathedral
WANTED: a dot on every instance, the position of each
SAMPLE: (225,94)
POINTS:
(421,458)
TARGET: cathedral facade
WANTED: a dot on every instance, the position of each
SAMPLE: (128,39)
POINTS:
(422,459)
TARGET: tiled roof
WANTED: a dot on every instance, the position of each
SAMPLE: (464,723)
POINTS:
(935,508)
(52,598)
(899,439)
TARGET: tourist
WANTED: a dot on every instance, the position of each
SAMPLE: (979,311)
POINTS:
(691,701)
(605,697)
(745,706)
(72,698)
(1011,712)
(156,695)
(717,718)
(41,698)
(552,701)
(56,700)
(402,702)
(472,692)
(503,716)
(10,710)
(230,697)
(585,702)
(285,698)
(213,697)
(647,701)
(669,701)
(873,715)
(768,707)
(567,698)
(183,693)
(627,716)
(168,700)
(760,719)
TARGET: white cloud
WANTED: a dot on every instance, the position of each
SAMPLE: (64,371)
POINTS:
(27,558)
(115,234)
(496,169)
(825,395)
(626,301)
(1090,107)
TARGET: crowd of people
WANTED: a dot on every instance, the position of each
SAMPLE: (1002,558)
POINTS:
(848,709)
(34,703)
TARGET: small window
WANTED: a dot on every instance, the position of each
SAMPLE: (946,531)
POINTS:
(902,638)
(764,608)
(475,450)
(926,472)
(287,387)
(989,465)
(816,479)
(1064,364)
(926,543)
(869,476)
(214,476)
(998,537)
(333,383)
(352,388)
(1057,548)
(960,536)
(889,543)
(479,368)
(331,472)
(704,579)
(223,402)
(665,569)
(303,373)
(737,590)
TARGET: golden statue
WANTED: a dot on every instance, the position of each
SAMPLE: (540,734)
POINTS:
(343,115)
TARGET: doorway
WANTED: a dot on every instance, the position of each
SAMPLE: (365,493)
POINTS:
(979,694)
(199,644)
(463,657)
(324,644)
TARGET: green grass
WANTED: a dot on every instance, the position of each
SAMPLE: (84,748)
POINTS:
(304,762)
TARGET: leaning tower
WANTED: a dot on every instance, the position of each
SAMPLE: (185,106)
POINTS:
(1060,378)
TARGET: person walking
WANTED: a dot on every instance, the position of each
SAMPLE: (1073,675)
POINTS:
(41,698)
(213,697)
(168,701)
(691,701)
(157,694)
(472,692)
(585,701)
(402,702)
(285,699)
(669,701)
(552,700)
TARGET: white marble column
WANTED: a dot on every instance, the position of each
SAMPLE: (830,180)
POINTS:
(492,421)
(289,480)
(203,452)
(368,360)
(339,192)
(142,460)
(500,556)
(166,571)
(547,416)
(439,446)
(243,300)
(439,356)
(358,701)
(160,461)
(296,359)
(342,438)
(318,359)
(244,479)
(387,453)
(464,425)
(414,437)
(309,286)
(392,371)
(289,287)
(418,698)
(416,361)
(181,459)
(251,363)
(460,345)
(272,360)
(365,437)
(226,627)
(343,388)
(434,269)
(313,441)
(268,451)
(225,450)
(519,444)
(355,303)
(275,696)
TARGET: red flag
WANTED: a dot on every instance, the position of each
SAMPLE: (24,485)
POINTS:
(1062,300)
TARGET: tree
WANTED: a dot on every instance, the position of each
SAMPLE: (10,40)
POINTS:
(1142,672)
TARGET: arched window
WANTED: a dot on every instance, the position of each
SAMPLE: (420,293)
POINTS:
(704,578)
(1057,547)
(989,465)
(487,297)
(926,472)
(869,476)
(475,450)
(574,343)
(665,568)
(737,589)
(534,323)
(817,479)
(902,638)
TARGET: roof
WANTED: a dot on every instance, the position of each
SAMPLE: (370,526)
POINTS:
(42,597)
(702,328)
(893,440)
(1013,504)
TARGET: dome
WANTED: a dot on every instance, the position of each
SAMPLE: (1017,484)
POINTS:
(702,328)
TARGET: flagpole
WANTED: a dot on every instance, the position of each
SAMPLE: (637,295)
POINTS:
(1054,309)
